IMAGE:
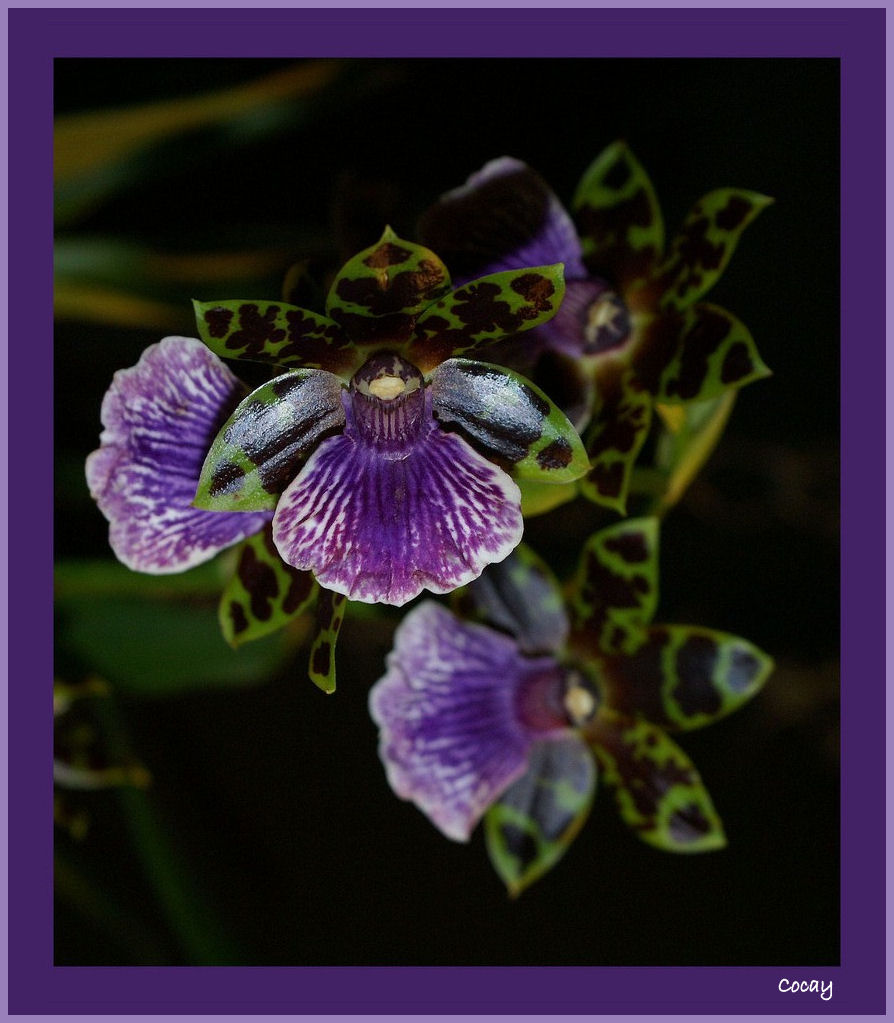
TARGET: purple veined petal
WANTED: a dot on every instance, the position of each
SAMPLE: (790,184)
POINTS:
(505,217)
(159,419)
(396,505)
(455,715)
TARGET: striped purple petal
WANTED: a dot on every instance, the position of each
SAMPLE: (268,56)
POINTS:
(396,505)
(459,709)
(159,419)
(505,217)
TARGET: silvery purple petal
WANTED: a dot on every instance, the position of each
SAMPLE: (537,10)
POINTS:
(505,217)
(395,505)
(159,419)
(454,711)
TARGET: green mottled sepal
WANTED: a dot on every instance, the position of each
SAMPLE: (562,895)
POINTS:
(701,251)
(614,438)
(528,830)
(509,419)
(330,615)
(697,354)
(485,311)
(260,448)
(264,593)
(683,677)
(658,790)
(377,295)
(619,219)
(276,333)
(615,590)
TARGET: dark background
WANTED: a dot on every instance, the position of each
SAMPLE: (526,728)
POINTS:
(272,797)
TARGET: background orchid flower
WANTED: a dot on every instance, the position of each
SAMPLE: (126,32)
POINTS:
(632,332)
(514,725)
(387,453)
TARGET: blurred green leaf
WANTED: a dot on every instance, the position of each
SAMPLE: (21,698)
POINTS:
(97,152)
(156,637)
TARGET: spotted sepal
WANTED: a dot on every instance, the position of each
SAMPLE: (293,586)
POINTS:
(535,820)
(485,311)
(696,354)
(620,425)
(276,333)
(619,219)
(520,596)
(264,593)
(658,790)
(508,419)
(259,450)
(379,293)
(699,254)
(614,592)
(330,615)
(684,677)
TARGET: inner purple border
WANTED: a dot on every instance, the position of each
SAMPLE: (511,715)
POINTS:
(857,38)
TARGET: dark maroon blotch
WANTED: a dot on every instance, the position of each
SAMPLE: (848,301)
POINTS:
(322,658)
(732,215)
(261,583)
(519,843)
(696,663)
(630,547)
(737,363)
(237,617)
(387,254)
(688,824)
(556,455)
(218,321)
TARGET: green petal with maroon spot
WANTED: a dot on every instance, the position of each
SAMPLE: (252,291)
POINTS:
(259,450)
(684,677)
(264,593)
(614,592)
(657,788)
(535,820)
(621,419)
(520,596)
(486,311)
(619,219)
(330,615)
(276,333)
(378,294)
(712,352)
(700,252)
(509,420)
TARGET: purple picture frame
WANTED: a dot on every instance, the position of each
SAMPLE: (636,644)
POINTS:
(36,36)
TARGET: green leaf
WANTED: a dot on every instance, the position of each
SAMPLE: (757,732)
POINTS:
(509,419)
(619,219)
(153,648)
(521,596)
(264,593)
(712,351)
(276,333)
(684,677)
(658,790)
(701,251)
(378,294)
(259,449)
(330,615)
(96,153)
(484,311)
(614,592)
(691,433)
(615,436)
(528,830)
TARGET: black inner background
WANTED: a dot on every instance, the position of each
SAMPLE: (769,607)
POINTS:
(274,795)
